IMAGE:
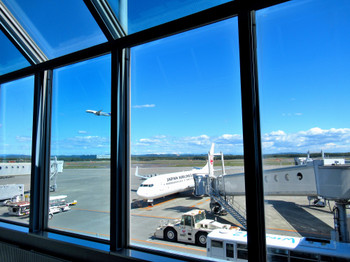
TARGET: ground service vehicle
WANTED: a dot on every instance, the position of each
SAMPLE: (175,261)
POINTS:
(19,208)
(192,228)
(232,246)
(59,204)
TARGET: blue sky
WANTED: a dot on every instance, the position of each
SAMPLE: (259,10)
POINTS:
(185,90)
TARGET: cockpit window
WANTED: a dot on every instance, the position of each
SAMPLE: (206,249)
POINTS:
(146,185)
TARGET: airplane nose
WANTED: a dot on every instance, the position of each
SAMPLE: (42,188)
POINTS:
(141,193)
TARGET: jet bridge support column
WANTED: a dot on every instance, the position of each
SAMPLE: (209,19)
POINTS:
(340,221)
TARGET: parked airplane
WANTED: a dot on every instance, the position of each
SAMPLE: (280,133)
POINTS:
(163,185)
(98,113)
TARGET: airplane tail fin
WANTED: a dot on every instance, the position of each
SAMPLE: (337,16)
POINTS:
(137,171)
(209,167)
(211,160)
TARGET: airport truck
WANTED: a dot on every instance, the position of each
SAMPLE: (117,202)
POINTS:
(11,190)
(192,228)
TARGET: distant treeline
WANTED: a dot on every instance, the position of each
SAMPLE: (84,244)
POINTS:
(25,158)
(181,157)
(312,155)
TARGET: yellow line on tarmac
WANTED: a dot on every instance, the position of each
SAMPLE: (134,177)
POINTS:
(169,245)
(201,202)
(150,207)
(152,216)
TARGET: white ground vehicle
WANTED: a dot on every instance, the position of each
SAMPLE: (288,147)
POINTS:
(59,204)
(192,228)
(18,208)
(232,246)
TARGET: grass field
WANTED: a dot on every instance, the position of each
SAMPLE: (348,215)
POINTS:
(175,163)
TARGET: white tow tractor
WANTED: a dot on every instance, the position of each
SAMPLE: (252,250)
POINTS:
(192,228)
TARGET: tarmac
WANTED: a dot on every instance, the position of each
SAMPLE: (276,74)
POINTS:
(285,215)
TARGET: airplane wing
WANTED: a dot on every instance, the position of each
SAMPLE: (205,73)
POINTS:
(145,176)
(98,113)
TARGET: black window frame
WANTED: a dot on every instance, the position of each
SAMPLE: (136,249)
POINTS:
(39,237)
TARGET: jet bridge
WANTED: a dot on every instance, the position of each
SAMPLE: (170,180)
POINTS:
(22,169)
(327,178)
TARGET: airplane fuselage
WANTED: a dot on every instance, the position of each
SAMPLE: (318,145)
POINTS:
(171,183)
(167,184)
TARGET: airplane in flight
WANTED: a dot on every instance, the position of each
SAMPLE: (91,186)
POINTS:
(157,186)
(98,113)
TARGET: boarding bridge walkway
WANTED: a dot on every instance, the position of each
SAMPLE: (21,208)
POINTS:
(232,207)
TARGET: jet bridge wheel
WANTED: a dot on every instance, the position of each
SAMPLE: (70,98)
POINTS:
(170,234)
(201,239)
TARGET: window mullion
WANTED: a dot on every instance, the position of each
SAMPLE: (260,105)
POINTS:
(119,150)
(251,137)
(39,189)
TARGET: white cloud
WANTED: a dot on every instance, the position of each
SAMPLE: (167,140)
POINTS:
(24,138)
(144,106)
(93,145)
(187,145)
(292,114)
(147,140)
(313,139)
(82,132)
(278,133)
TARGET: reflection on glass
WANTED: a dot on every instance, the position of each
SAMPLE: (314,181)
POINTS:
(80,149)
(303,60)
(185,108)
(11,58)
(16,123)
(57,27)
(145,14)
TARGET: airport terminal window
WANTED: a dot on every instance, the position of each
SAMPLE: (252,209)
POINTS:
(185,96)
(11,58)
(80,148)
(185,102)
(142,15)
(303,60)
(16,123)
(68,28)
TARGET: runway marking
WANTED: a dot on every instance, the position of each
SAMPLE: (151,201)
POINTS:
(80,231)
(201,202)
(150,207)
(169,245)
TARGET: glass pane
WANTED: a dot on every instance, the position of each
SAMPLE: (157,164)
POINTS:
(303,56)
(185,102)
(80,143)
(11,58)
(57,27)
(145,14)
(16,124)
